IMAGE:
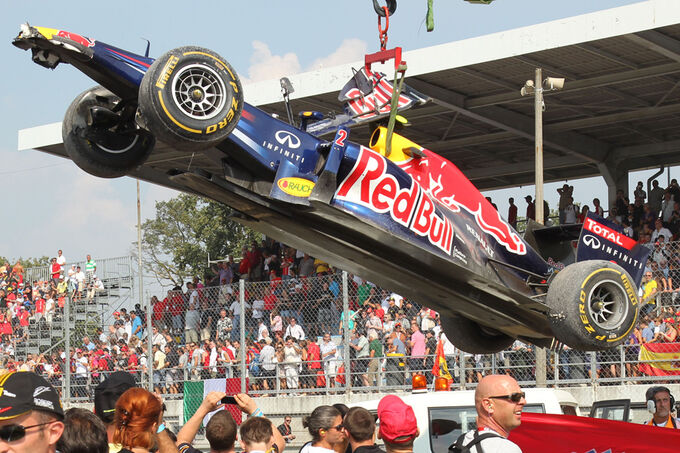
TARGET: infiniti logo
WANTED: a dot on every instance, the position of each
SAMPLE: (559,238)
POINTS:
(287,139)
(591,241)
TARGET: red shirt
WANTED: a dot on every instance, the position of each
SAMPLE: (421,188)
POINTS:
(158,309)
(313,356)
(23,318)
(56,268)
(40,305)
(244,266)
(176,304)
(270,301)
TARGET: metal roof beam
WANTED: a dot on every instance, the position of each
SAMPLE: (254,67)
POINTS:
(669,147)
(582,84)
(657,42)
(568,142)
(523,167)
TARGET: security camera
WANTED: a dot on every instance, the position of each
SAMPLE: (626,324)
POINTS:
(528,88)
(553,83)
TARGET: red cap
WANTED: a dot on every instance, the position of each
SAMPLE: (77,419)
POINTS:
(398,423)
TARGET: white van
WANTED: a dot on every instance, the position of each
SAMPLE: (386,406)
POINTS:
(443,416)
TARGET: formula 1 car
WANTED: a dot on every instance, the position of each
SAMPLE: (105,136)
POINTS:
(393,212)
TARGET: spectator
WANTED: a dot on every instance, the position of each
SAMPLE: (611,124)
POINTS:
(359,425)
(292,356)
(417,344)
(398,424)
(499,402)
(328,350)
(257,435)
(36,428)
(655,197)
(90,268)
(512,213)
(325,426)
(192,324)
(667,206)
(136,419)
(660,230)
(661,401)
(83,432)
(531,208)
(294,330)
(285,429)
(565,192)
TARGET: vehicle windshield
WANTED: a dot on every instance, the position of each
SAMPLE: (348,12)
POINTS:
(447,423)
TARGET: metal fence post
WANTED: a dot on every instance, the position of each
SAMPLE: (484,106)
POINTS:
(242,332)
(67,337)
(593,368)
(461,367)
(345,332)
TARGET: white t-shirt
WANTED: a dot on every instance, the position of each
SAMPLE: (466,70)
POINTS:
(258,307)
(61,260)
(308,448)
(493,444)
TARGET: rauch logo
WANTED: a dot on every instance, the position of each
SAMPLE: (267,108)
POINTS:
(297,187)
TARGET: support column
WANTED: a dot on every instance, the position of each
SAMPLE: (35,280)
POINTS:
(616,177)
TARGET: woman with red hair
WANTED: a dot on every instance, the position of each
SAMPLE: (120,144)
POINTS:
(136,420)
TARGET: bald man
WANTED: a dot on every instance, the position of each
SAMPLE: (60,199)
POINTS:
(499,402)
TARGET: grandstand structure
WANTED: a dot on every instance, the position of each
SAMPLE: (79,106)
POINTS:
(117,275)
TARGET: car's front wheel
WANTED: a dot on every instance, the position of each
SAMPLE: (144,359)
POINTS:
(190,98)
(101,137)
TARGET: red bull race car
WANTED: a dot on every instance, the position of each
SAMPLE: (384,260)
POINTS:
(392,212)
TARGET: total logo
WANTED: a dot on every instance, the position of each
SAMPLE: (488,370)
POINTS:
(297,187)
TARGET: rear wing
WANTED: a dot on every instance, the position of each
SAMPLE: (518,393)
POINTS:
(602,239)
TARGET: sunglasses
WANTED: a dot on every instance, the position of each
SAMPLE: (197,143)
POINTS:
(514,397)
(12,433)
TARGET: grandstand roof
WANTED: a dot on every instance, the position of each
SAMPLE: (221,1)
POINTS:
(620,105)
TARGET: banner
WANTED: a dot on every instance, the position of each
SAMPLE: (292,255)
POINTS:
(541,433)
(659,359)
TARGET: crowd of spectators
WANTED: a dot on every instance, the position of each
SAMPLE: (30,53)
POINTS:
(294,325)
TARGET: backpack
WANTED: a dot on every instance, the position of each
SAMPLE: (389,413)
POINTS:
(459,448)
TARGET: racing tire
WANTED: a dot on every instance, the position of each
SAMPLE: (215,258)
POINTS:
(108,151)
(593,305)
(470,337)
(190,98)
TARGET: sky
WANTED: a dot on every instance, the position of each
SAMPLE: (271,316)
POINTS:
(50,204)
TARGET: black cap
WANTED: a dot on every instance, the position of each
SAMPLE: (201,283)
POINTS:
(25,391)
(106,394)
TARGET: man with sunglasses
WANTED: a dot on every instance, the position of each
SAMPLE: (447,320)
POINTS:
(31,416)
(499,402)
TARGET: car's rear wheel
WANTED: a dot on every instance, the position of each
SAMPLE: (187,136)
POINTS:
(190,98)
(101,137)
(593,305)
(470,337)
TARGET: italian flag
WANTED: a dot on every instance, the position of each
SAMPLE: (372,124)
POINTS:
(196,391)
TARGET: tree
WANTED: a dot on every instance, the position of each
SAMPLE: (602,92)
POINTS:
(176,243)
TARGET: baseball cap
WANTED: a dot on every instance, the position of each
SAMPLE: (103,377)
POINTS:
(24,391)
(106,394)
(398,422)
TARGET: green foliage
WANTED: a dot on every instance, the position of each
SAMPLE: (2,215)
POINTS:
(176,243)
(26,262)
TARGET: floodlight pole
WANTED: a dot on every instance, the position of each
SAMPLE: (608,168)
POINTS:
(541,359)
(538,114)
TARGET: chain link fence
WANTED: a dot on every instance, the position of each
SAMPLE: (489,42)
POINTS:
(317,335)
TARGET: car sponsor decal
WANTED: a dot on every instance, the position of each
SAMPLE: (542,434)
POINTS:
(368,184)
(297,187)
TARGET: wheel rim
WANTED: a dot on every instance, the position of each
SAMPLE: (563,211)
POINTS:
(118,144)
(607,304)
(198,91)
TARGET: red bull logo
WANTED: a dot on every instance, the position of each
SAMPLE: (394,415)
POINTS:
(448,185)
(369,185)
